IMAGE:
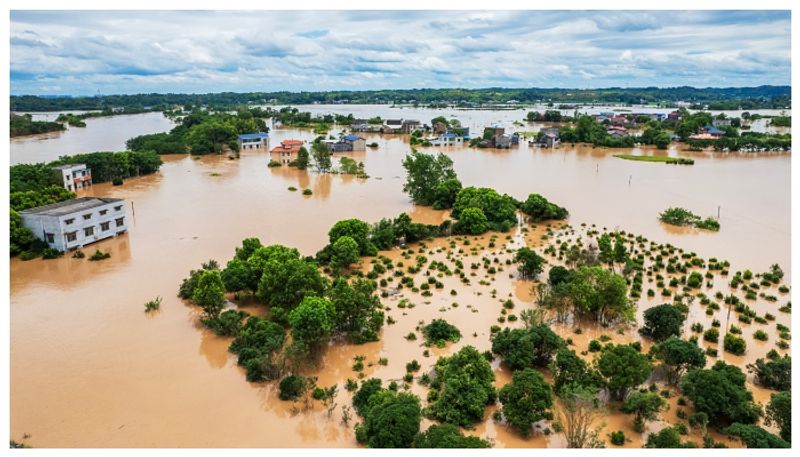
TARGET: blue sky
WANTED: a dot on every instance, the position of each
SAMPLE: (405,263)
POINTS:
(115,52)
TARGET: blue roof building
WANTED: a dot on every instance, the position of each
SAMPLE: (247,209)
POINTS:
(259,140)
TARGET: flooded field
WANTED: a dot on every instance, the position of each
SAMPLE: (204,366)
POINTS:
(90,369)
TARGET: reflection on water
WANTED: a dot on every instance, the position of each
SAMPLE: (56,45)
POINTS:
(90,368)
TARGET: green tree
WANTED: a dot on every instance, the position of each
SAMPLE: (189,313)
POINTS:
(365,392)
(210,137)
(773,373)
(209,293)
(465,383)
(754,436)
(530,263)
(720,392)
(284,284)
(779,412)
(445,193)
(257,344)
(623,368)
(447,436)
(527,399)
(500,210)
(540,209)
(662,140)
(569,369)
(677,356)
(620,252)
(526,348)
(425,172)
(322,156)
(312,321)
(558,275)
(663,321)
(21,237)
(238,276)
(606,249)
(597,292)
(358,310)
(345,253)
(303,160)
(579,411)
(392,420)
(472,221)
(668,438)
(356,229)
(646,406)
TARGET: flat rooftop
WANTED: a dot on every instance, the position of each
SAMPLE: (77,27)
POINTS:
(66,167)
(70,206)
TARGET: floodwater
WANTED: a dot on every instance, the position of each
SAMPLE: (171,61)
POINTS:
(90,369)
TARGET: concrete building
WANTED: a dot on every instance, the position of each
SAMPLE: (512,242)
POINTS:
(393,126)
(75,177)
(446,139)
(287,152)
(411,125)
(75,223)
(253,141)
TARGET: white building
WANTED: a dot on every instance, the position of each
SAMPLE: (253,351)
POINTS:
(75,177)
(250,141)
(75,223)
(446,139)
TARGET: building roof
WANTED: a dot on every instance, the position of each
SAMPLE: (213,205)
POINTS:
(351,137)
(253,136)
(292,142)
(69,166)
(713,130)
(70,206)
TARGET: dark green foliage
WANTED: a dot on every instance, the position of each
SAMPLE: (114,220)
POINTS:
(623,368)
(440,331)
(500,210)
(344,252)
(23,124)
(720,392)
(645,405)
(773,373)
(228,323)
(445,193)
(678,356)
(570,370)
(429,178)
(465,383)
(106,166)
(527,399)
(312,321)
(669,437)
(526,348)
(356,229)
(473,222)
(21,200)
(754,436)
(364,393)
(559,275)
(733,344)
(391,420)
(663,321)
(618,438)
(359,313)
(291,387)
(539,209)
(598,293)
(447,436)
(209,293)
(682,217)
(256,344)
(779,412)
(284,284)
(530,263)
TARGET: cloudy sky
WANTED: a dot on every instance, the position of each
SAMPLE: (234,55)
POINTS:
(112,52)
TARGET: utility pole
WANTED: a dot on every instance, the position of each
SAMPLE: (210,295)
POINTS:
(629,180)
(718,211)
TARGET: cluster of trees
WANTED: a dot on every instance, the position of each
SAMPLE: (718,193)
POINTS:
(716,98)
(108,166)
(462,387)
(591,292)
(587,130)
(201,132)
(547,116)
(683,217)
(23,124)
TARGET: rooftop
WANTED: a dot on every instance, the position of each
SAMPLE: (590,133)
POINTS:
(70,206)
(351,137)
(253,136)
(69,166)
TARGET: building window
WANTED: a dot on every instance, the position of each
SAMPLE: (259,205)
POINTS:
(69,221)
(118,208)
(71,236)
(104,226)
(103,212)
(86,217)
(120,221)
(88,231)
(50,238)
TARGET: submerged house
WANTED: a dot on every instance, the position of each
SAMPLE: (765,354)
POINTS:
(446,139)
(393,126)
(251,141)
(348,143)
(286,152)
(550,138)
(74,177)
(77,222)
(410,126)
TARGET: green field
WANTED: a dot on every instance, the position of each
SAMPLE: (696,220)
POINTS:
(664,159)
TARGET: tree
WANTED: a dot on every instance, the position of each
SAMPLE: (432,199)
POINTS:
(526,348)
(677,356)
(345,253)
(312,321)
(425,172)
(540,209)
(667,438)
(662,140)
(284,284)
(579,411)
(358,310)
(606,249)
(209,293)
(569,370)
(663,321)
(356,229)
(447,436)
(720,392)
(600,293)
(21,238)
(256,344)
(439,331)
(754,436)
(465,383)
(303,161)
(531,263)
(620,252)
(365,392)
(322,156)
(392,420)
(779,412)
(238,276)
(472,222)
(500,210)
(558,275)
(773,374)
(734,344)
(645,405)
(210,137)
(445,193)
(623,368)
(527,399)
(249,246)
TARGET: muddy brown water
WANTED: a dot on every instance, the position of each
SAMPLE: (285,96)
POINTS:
(90,369)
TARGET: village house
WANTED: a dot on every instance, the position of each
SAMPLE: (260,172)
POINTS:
(617,131)
(674,117)
(393,126)
(253,141)
(550,138)
(411,126)
(707,133)
(446,139)
(286,152)
(347,143)
(77,222)
(359,125)
(74,177)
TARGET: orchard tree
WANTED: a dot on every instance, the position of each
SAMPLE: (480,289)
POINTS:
(465,383)
(345,253)
(540,209)
(623,368)
(720,393)
(677,356)
(527,399)
(597,292)
(530,263)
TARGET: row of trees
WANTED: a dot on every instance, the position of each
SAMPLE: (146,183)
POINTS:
(23,124)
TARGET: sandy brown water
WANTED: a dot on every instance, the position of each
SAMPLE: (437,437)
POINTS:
(90,368)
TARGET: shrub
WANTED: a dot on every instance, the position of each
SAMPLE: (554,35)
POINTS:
(439,331)
(734,344)
(99,255)
(291,387)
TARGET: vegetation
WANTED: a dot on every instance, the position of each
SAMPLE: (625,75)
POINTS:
(682,217)
(668,438)
(527,399)
(754,436)
(580,409)
(391,420)
(539,208)
(25,125)
(464,383)
(530,263)
(774,373)
(623,368)
(677,356)
(430,179)
(447,436)
(500,210)
(720,393)
(569,370)
(663,321)
(439,331)
(779,412)
(663,159)
(645,406)
(530,347)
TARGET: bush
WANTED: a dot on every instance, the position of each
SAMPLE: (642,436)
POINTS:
(99,255)
(307,192)
(439,331)
(51,253)
(465,385)
(116,181)
(734,344)
(447,436)
(618,438)
(391,420)
(291,387)
(152,305)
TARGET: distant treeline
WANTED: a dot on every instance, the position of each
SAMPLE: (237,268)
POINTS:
(25,125)
(715,98)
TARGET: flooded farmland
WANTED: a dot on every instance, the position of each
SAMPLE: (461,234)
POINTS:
(90,369)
